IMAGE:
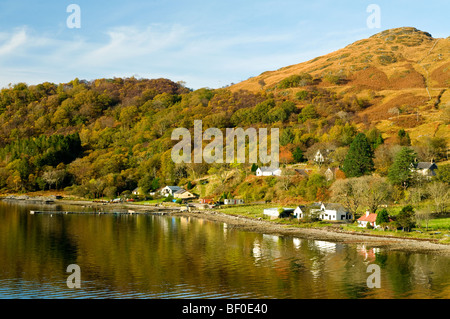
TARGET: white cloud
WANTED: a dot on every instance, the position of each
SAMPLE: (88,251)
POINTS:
(12,42)
(126,43)
(173,51)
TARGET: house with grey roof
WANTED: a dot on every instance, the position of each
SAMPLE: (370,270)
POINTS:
(169,190)
(426,169)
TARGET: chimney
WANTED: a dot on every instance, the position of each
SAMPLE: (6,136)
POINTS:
(367,213)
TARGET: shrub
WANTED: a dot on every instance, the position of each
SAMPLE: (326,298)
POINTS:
(303,79)
(334,79)
(168,199)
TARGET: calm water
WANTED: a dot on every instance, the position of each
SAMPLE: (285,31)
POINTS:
(144,256)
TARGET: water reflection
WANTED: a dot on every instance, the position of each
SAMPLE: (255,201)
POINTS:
(145,256)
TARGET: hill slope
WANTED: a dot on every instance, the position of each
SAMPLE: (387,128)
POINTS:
(405,68)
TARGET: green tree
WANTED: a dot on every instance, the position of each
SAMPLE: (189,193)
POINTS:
(145,184)
(382,217)
(443,173)
(403,138)
(286,137)
(375,138)
(400,172)
(308,112)
(298,156)
(406,218)
(359,159)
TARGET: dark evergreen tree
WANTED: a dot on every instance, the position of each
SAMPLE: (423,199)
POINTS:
(400,172)
(405,218)
(359,159)
(382,217)
(297,154)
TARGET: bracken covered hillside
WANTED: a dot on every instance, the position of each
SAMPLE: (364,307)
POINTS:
(405,72)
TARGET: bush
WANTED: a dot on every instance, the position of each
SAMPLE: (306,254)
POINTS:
(168,199)
(334,79)
(302,95)
(303,79)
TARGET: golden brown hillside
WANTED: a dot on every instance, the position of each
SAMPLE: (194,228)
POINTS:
(402,69)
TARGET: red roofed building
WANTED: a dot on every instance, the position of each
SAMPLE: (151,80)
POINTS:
(367,218)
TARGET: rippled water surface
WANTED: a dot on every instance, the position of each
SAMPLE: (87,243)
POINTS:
(145,256)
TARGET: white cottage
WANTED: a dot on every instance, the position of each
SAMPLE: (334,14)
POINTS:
(268,171)
(169,190)
(426,169)
(299,212)
(271,212)
(274,212)
(332,211)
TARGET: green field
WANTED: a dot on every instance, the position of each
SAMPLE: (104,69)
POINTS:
(439,224)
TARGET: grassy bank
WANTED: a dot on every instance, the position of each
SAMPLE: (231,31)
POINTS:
(438,228)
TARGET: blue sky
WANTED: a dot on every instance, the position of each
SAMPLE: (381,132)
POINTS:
(204,43)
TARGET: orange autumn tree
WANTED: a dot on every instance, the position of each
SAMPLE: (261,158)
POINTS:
(286,155)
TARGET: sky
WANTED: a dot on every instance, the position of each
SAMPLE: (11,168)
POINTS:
(205,43)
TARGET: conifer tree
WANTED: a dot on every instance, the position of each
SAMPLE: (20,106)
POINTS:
(400,172)
(359,159)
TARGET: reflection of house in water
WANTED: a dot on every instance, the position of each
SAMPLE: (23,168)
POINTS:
(257,252)
(316,267)
(271,237)
(369,253)
(266,248)
(165,224)
(325,246)
(297,242)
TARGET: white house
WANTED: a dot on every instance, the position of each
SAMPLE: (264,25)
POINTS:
(299,212)
(268,171)
(368,218)
(322,156)
(332,211)
(426,169)
(136,191)
(272,212)
(232,201)
(169,190)
(183,194)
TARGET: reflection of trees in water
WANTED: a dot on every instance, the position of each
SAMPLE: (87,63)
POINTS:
(169,256)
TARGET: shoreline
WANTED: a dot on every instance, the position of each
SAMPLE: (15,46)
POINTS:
(262,226)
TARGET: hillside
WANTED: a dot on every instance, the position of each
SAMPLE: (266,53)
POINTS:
(403,68)
(106,137)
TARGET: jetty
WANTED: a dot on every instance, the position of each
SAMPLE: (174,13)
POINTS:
(130,212)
